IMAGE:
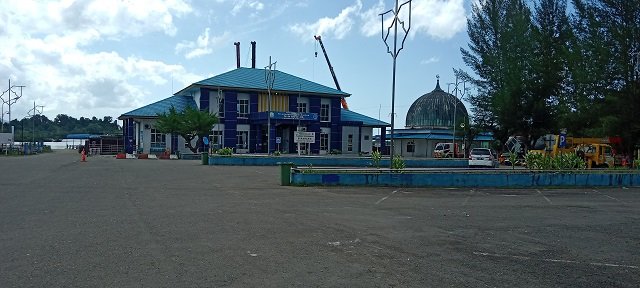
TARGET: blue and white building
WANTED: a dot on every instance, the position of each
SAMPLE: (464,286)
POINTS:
(241,101)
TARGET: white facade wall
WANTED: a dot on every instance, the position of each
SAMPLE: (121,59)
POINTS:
(324,101)
(328,132)
(143,134)
(196,97)
(423,148)
(306,101)
(244,127)
(143,138)
(366,138)
(346,131)
(213,102)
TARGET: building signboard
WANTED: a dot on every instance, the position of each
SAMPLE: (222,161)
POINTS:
(304,137)
(294,116)
(6,138)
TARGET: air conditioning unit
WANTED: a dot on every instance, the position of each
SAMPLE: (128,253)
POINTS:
(147,126)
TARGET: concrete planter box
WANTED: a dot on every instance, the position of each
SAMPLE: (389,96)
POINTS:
(463,178)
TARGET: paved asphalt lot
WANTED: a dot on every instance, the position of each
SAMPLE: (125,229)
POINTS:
(160,223)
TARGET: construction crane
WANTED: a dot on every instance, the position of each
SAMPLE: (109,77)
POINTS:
(333,74)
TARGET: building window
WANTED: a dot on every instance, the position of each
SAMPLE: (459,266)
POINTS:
(243,108)
(158,140)
(366,137)
(324,112)
(242,138)
(411,147)
(324,141)
(216,139)
(220,107)
(302,107)
(350,142)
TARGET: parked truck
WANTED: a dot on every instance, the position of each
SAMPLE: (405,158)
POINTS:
(596,155)
(597,152)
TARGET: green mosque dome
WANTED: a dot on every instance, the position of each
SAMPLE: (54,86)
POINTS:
(435,110)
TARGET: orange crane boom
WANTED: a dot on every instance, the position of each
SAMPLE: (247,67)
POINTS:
(333,74)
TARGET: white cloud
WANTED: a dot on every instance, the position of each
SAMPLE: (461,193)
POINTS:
(202,46)
(44,48)
(239,5)
(430,60)
(371,20)
(336,27)
(91,20)
(440,19)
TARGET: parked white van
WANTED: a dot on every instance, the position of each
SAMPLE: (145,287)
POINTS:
(445,150)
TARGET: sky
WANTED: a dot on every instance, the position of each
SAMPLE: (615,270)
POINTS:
(107,57)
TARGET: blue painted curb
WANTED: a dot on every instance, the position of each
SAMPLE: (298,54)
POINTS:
(467,179)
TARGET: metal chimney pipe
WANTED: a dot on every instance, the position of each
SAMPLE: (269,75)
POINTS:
(237,54)
(253,54)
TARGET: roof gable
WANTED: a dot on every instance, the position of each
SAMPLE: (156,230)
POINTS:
(254,79)
(162,106)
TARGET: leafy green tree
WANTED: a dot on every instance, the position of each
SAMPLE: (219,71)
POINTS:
(552,35)
(588,60)
(189,124)
(608,70)
(500,52)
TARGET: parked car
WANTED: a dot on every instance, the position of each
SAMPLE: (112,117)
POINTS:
(482,157)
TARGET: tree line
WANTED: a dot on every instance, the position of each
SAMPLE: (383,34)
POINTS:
(545,66)
(41,128)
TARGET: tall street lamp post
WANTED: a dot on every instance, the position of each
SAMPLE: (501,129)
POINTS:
(394,54)
(455,110)
(269,78)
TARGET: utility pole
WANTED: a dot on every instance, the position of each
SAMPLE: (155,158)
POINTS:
(9,101)
(269,78)
(33,112)
(394,54)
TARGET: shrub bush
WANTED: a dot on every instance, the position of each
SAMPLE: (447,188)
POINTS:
(376,156)
(564,161)
(225,151)
(397,162)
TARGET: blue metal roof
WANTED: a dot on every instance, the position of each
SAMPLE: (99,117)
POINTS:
(438,136)
(162,106)
(423,136)
(254,79)
(350,116)
(79,136)
(421,131)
